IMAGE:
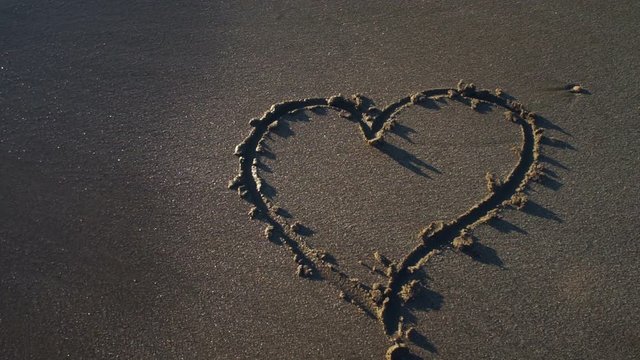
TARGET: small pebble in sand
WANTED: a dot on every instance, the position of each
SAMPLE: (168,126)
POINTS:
(381,258)
(576,89)
(345,114)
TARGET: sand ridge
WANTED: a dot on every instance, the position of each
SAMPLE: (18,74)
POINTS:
(384,302)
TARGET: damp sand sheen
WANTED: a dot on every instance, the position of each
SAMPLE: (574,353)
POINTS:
(383,301)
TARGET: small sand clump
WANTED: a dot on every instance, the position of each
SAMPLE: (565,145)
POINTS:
(391,270)
(519,200)
(408,290)
(323,256)
(303,271)
(531,118)
(466,88)
(358,100)
(462,242)
(492,182)
(431,230)
(375,140)
(377,296)
(243,192)
(509,116)
(234,183)
(492,214)
(269,230)
(389,125)
(536,173)
(517,106)
(239,150)
(423,261)
(417,98)
(368,118)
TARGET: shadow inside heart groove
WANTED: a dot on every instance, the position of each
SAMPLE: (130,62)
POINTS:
(389,284)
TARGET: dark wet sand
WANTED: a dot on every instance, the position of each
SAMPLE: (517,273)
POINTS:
(120,239)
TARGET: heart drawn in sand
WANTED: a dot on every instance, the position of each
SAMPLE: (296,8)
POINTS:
(385,302)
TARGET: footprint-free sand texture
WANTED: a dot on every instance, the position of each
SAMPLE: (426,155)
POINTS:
(119,237)
(384,301)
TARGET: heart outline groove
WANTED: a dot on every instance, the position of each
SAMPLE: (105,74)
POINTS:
(385,304)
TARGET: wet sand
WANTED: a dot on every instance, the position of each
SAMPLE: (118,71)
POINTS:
(120,238)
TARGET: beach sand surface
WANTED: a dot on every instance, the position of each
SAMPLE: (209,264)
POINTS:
(120,239)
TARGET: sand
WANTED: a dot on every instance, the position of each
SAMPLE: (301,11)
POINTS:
(119,237)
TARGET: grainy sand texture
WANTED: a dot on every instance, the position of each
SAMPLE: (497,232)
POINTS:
(313,180)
